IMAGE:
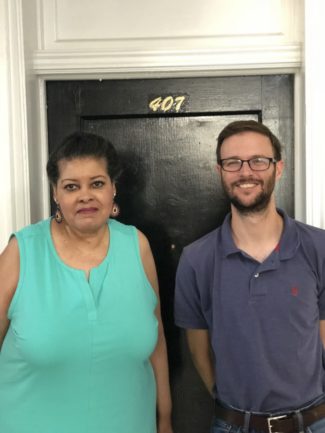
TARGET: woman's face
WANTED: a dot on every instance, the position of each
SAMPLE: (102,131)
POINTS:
(85,193)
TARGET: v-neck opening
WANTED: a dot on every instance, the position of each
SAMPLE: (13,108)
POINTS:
(90,287)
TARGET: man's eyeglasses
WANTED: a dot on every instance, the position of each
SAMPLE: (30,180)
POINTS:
(256,164)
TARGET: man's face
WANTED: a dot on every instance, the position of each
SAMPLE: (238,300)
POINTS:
(249,191)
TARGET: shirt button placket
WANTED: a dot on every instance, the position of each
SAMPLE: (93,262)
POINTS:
(257,285)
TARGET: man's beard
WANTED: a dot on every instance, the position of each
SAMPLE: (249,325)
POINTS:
(260,202)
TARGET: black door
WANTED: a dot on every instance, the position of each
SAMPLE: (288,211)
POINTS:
(165,131)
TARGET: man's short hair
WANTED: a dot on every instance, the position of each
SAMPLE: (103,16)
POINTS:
(239,126)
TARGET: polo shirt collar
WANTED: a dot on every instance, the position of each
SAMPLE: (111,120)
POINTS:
(286,248)
(227,243)
(290,240)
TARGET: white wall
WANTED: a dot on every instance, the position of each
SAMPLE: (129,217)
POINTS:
(59,39)
(14,168)
(314,63)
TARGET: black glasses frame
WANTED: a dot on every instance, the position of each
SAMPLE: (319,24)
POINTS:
(270,160)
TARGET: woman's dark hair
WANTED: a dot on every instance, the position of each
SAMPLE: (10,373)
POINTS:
(248,125)
(83,145)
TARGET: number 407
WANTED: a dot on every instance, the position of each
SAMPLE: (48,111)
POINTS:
(169,103)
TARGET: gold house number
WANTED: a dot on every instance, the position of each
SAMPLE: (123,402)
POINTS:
(168,103)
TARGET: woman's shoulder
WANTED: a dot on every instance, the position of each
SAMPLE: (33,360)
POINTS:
(33,230)
(120,228)
(126,236)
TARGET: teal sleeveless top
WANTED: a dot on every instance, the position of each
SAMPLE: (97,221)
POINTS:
(76,355)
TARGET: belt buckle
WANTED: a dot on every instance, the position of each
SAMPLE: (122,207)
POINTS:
(272,418)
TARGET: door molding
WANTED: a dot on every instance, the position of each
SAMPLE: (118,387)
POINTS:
(225,61)
(14,167)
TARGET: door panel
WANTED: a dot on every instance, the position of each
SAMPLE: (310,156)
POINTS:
(169,188)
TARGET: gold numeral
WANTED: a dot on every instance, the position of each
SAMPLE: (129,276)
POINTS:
(167,103)
(155,104)
(179,101)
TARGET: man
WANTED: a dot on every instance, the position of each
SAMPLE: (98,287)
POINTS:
(251,295)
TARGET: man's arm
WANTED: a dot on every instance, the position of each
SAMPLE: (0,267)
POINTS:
(322,331)
(201,351)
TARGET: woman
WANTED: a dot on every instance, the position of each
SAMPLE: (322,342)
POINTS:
(83,348)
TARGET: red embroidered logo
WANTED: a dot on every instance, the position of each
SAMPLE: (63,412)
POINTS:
(294,291)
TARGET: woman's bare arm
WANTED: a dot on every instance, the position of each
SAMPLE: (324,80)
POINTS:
(159,357)
(9,275)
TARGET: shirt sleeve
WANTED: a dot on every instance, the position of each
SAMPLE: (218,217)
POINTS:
(188,310)
(321,296)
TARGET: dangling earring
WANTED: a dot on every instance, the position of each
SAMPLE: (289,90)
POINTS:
(58,216)
(115,210)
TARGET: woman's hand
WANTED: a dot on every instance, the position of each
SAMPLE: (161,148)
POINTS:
(165,425)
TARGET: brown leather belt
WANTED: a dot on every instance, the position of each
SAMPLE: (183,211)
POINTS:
(271,424)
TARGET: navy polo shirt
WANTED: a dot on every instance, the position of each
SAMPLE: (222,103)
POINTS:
(263,318)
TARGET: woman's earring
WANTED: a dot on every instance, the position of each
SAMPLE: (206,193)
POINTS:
(115,210)
(58,214)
